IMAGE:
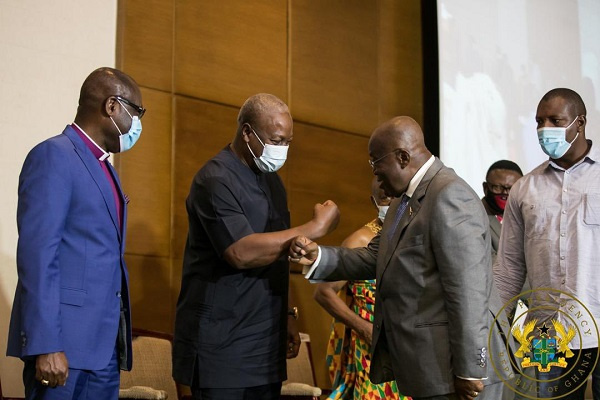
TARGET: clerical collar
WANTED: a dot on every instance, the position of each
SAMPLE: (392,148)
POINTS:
(98,151)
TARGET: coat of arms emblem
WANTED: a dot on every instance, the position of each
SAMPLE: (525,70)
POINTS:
(543,350)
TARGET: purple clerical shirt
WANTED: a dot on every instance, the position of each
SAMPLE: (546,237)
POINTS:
(102,157)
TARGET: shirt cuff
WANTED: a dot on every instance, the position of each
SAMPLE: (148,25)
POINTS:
(309,270)
(471,379)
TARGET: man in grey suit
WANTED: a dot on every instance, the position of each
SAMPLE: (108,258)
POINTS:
(432,265)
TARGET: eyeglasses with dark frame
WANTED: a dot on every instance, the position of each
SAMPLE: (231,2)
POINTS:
(498,189)
(140,110)
(372,163)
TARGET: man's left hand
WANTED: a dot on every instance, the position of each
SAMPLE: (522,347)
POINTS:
(467,389)
(293,338)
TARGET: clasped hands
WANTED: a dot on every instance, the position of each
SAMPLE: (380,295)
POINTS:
(303,251)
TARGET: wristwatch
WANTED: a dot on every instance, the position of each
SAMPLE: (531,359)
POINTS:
(293,312)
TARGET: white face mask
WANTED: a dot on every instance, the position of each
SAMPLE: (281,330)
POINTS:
(382,211)
(272,158)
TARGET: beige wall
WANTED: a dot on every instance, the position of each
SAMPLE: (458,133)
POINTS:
(47,49)
(343,66)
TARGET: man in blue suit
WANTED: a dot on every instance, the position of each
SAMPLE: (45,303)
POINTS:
(70,321)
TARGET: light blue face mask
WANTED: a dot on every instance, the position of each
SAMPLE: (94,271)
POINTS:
(553,140)
(127,140)
(382,211)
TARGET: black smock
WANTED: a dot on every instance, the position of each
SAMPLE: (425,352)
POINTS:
(231,324)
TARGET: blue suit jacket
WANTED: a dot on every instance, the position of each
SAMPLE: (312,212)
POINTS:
(69,257)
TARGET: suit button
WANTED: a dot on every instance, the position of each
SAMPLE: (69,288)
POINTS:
(377,326)
(118,294)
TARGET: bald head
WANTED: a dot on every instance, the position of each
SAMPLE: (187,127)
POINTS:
(103,83)
(397,150)
(255,107)
(400,133)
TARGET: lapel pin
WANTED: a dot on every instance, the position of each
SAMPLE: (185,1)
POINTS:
(410,211)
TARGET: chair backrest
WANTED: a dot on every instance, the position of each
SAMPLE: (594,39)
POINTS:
(151,365)
(301,376)
(300,368)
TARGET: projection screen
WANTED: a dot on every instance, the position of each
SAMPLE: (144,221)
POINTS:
(497,58)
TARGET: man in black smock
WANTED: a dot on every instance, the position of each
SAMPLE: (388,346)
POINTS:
(233,327)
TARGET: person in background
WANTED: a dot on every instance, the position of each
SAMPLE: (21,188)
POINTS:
(70,321)
(500,178)
(551,232)
(349,348)
(234,326)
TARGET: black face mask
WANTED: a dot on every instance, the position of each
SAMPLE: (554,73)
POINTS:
(490,199)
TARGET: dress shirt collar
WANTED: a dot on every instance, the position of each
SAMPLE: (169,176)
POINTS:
(593,155)
(98,151)
(414,182)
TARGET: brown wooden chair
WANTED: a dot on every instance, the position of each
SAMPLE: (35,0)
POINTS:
(300,384)
(150,377)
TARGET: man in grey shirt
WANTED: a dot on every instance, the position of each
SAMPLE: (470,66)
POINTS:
(551,233)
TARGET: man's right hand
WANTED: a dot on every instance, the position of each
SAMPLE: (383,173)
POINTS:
(52,369)
(326,216)
(303,251)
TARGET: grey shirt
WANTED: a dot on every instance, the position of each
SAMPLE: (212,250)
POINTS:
(551,233)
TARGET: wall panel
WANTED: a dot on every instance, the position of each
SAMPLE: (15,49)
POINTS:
(145,42)
(228,50)
(150,296)
(326,164)
(202,130)
(145,173)
(400,60)
(334,64)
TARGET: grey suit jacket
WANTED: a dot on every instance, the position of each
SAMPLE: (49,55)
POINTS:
(434,281)
(495,229)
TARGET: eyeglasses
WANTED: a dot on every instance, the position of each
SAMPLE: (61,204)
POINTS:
(498,189)
(140,110)
(372,163)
